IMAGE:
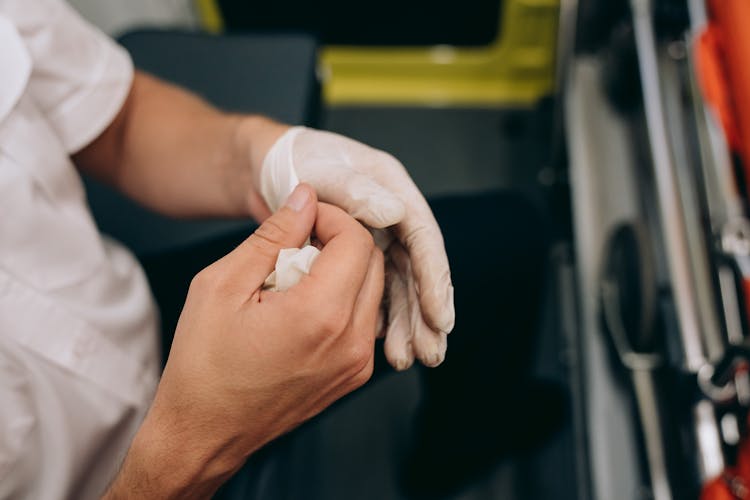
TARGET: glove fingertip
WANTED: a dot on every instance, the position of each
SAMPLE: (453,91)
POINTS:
(440,313)
(432,354)
(448,321)
(398,346)
(400,359)
(434,360)
(402,364)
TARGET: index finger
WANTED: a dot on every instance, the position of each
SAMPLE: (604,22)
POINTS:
(421,236)
(342,265)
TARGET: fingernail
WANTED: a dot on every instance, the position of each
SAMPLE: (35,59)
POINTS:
(298,199)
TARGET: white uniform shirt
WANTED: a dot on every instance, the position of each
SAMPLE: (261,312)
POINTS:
(78,332)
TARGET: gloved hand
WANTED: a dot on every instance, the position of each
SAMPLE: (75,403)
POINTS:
(375,188)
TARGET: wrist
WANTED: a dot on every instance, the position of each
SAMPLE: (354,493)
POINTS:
(163,462)
(254,136)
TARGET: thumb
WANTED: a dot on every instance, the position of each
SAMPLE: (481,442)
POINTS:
(255,258)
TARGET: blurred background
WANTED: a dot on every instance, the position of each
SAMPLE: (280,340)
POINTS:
(587,133)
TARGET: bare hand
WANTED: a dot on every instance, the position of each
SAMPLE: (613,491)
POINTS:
(248,365)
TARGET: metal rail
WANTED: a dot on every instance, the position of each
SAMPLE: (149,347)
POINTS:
(701,342)
(682,280)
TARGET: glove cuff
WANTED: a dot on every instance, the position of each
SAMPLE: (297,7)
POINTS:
(277,176)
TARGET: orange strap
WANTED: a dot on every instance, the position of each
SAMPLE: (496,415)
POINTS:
(728,38)
(723,65)
(734,483)
(719,489)
(713,82)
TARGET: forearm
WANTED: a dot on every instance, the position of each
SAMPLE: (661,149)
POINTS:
(176,154)
(165,463)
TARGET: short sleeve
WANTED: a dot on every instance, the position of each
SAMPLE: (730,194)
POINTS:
(80,77)
(16,64)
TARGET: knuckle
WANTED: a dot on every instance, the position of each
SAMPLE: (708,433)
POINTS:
(366,236)
(212,280)
(359,355)
(364,240)
(324,319)
(363,374)
(334,320)
(205,279)
(268,237)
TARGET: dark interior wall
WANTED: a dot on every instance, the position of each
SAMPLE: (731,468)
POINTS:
(386,22)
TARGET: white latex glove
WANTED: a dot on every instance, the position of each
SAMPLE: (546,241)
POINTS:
(375,188)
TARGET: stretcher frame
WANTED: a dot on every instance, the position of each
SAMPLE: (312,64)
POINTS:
(700,235)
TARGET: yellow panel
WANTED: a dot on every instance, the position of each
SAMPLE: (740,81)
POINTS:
(518,68)
(209,15)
